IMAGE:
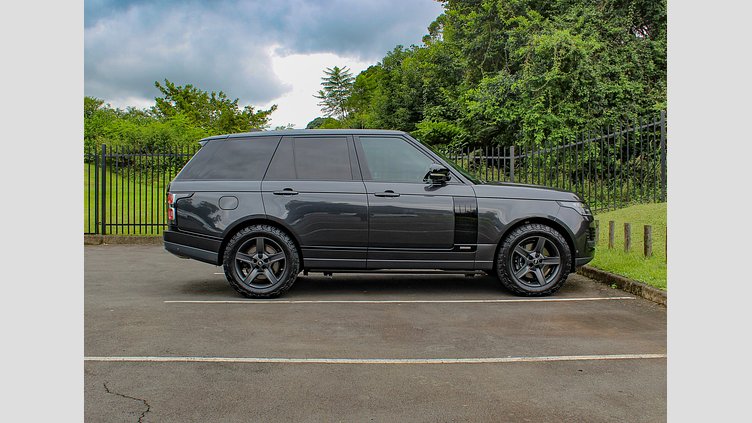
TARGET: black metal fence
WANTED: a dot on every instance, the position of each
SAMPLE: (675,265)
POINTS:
(610,168)
(125,188)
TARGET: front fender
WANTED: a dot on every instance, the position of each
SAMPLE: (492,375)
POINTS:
(497,215)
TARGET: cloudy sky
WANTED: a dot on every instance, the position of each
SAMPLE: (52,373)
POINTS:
(262,52)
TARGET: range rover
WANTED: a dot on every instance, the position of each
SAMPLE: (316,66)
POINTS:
(267,206)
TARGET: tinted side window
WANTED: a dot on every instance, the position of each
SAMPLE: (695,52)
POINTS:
(311,158)
(241,159)
(282,167)
(392,159)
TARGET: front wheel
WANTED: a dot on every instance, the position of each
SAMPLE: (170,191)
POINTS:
(534,260)
(261,261)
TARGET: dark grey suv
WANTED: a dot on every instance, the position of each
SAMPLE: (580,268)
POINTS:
(269,205)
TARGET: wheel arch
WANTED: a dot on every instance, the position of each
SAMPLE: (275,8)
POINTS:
(257,220)
(548,221)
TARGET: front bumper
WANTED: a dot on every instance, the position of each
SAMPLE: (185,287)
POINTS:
(589,251)
(581,261)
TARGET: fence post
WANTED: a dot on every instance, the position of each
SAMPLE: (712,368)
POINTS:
(663,155)
(511,163)
(648,241)
(96,189)
(103,191)
(627,237)
(611,225)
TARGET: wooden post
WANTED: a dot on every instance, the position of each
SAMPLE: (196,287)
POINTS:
(648,241)
(627,237)
(611,234)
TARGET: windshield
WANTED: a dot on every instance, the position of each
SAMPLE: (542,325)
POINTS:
(455,165)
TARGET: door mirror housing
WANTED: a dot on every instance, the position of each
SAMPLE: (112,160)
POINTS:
(438,174)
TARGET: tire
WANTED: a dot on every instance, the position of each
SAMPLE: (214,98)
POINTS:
(266,275)
(534,260)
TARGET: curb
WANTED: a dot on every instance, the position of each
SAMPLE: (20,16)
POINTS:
(633,287)
(122,239)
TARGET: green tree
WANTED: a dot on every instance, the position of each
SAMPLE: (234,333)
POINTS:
(324,123)
(91,105)
(99,119)
(504,72)
(212,111)
(338,84)
(182,116)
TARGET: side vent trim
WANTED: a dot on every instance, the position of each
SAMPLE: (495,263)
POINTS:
(465,221)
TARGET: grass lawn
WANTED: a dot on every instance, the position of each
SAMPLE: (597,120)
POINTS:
(634,265)
(136,200)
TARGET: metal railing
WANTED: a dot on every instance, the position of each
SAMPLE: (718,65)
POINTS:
(125,188)
(610,168)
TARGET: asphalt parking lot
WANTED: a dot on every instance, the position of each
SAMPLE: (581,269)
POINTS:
(168,340)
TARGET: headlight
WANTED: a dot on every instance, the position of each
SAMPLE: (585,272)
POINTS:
(579,206)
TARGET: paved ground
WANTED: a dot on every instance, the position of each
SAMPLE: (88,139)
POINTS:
(130,312)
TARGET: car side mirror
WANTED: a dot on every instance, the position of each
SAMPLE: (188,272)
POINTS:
(438,174)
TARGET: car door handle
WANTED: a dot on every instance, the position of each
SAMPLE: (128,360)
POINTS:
(286,191)
(387,193)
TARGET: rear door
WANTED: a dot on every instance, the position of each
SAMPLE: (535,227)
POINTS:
(413,224)
(314,186)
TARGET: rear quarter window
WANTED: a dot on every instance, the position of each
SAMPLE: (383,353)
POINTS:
(235,159)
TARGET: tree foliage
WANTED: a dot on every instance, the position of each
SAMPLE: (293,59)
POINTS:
(504,72)
(181,116)
(337,83)
(324,123)
(212,111)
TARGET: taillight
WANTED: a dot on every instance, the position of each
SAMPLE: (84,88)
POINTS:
(171,206)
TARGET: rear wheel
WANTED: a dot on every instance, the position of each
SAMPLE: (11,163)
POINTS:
(534,260)
(261,261)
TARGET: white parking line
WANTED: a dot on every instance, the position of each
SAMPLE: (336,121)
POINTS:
(515,300)
(533,359)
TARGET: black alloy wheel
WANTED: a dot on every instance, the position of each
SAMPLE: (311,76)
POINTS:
(261,261)
(533,260)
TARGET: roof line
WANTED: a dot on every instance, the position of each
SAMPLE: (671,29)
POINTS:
(293,132)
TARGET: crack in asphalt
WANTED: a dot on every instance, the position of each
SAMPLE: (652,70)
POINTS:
(148,407)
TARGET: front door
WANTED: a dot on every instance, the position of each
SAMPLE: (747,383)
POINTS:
(413,224)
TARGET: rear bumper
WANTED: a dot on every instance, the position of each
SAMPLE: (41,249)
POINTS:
(192,246)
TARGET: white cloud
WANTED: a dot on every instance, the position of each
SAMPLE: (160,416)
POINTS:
(126,52)
(129,101)
(226,46)
(303,73)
